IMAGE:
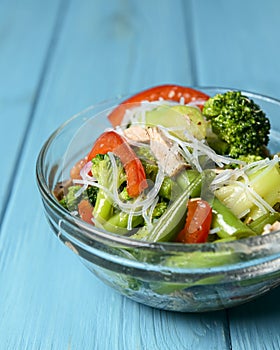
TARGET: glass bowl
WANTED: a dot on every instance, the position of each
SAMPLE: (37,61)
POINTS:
(170,276)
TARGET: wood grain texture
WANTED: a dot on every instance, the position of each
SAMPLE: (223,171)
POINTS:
(255,326)
(85,52)
(237,44)
(239,47)
(25,34)
(48,299)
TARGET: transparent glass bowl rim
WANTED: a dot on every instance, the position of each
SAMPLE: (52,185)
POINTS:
(91,232)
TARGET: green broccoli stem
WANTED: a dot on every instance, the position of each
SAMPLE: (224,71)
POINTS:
(103,208)
(218,145)
(227,224)
(102,171)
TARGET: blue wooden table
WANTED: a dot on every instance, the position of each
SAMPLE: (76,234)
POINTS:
(58,57)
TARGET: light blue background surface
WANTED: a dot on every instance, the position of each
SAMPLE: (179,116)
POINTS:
(58,57)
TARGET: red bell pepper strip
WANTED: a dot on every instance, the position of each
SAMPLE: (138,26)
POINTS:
(167,92)
(110,141)
(198,222)
(85,210)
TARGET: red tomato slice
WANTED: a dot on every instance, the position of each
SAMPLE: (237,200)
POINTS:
(198,222)
(110,141)
(85,211)
(75,171)
(167,92)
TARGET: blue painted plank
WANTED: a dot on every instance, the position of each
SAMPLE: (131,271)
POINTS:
(237,44)
(47,298)
(25,34)
(260,320)
(115,50)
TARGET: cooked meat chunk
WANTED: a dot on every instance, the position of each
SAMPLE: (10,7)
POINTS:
(270,228)
(166,153)
(137,133)
(61,188)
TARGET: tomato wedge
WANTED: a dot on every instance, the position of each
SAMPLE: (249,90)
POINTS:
(85,210)
(75,171)
(110,141)
(167,92)
(198,222)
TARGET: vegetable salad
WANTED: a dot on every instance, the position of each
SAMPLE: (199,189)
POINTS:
(179,166)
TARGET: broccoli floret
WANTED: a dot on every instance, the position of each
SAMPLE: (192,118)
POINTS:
(160,208)
(151,170)
(102,170)
(250,158)
(246,159)
(124,196)
(148,161)
(239,123)
(91,194)
(70,201)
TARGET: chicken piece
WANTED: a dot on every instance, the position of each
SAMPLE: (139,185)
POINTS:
(270,228)
(137,133)
(166,153)
(61,189)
